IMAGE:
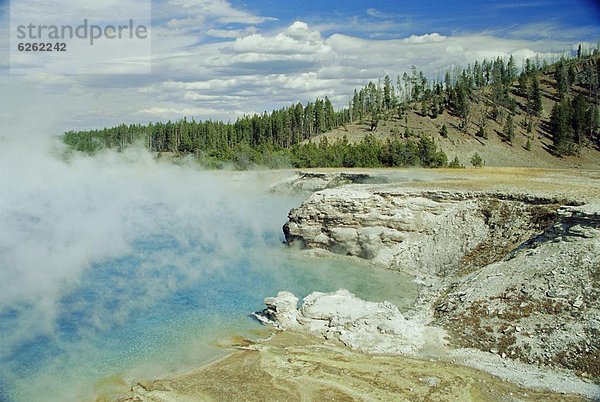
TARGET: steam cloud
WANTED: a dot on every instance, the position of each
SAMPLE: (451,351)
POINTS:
(62,219)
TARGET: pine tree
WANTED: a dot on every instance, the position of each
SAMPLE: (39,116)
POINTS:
(299,123)
(463,106)
(477,160)
(455,164)
(560,126)
(478,75)
(529,66)
(529,125)
(536,96)
(523,87)
(356,106)
(416,84)
(387,93)
(309,120)
(482,132)
(562,80)
(580,118)
(595,125)
(424,108)
(328,114)
(448,86)
(509,128)
(444,130)
(319,117)
(511,70)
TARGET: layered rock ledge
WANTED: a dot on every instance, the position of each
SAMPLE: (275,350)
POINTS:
(418,231)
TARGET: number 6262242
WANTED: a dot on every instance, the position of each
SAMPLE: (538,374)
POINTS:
(42,47)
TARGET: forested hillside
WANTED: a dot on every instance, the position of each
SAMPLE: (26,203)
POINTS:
(549,111)
(537,115)
(248,137)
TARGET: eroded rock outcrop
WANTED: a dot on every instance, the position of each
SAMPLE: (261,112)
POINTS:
(281,311)
(366,326)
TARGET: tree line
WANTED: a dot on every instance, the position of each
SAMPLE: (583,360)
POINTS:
(369,152)
(279,129)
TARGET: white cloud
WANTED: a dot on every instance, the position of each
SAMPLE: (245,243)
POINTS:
(549,30)
(216,99)
(231,33)
(181,23)
(299,30)
(220,10)
(215,85)
(373,12)
(75,10)
(177,112)
(297,39)
(427,38)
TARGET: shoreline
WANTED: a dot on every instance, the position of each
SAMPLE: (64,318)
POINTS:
(275,367)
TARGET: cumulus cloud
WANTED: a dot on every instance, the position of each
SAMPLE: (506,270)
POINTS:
(427,38)
(261,71)
(296,40)
(164,113)
(299,30)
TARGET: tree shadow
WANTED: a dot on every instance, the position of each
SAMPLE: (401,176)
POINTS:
(555,228)
(545,130)
(548,95)
(503,137)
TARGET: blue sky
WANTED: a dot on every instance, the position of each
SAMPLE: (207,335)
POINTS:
(445,17)
(221,59)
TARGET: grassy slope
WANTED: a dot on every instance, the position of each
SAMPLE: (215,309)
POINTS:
(494,150)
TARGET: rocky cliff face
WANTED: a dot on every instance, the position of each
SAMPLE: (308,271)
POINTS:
(420,232)
(510,274)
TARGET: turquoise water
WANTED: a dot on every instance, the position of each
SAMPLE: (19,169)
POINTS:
(184,278)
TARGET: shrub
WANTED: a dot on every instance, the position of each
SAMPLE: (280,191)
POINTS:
(455,164)
(482,133)
(476,160)
(444,131)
